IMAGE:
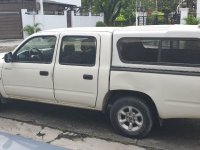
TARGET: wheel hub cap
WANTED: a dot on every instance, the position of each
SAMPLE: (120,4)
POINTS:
(130,118)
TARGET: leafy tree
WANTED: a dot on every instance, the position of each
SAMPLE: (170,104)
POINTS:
(167,6)
(113,8)
(110,8)
(32,29)
(88,5)
(120,20)
(128,11)
(192,5)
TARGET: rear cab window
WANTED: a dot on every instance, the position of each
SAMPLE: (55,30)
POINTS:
(169,51)
(138,50)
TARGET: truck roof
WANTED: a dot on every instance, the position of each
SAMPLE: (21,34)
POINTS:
(185,31)
(130,28)
(166,28)
(84,29)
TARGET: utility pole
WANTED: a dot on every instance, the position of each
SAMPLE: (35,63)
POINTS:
(156,5)
(198,8)
(136,13)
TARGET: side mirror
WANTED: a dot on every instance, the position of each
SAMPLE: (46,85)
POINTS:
(8,57)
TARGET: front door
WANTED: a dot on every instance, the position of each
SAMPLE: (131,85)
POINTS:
(30,75)
(76,70)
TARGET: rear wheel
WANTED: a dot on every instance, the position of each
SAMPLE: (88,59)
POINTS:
(132,117)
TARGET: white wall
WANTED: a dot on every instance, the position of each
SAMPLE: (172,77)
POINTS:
(86,21)
(59,21)
(184,14)
(68,2)
(198,8)
(46,21)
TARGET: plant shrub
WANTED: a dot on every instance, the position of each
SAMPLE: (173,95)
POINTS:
(191,20)
(32,29)
(100,24)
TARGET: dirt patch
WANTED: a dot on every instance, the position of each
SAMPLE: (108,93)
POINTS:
(6,48)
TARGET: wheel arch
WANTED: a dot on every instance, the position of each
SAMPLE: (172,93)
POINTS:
(111,97)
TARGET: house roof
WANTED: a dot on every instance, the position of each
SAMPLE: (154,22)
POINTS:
(66,2)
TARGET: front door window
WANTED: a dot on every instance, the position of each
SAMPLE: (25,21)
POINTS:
(36,50)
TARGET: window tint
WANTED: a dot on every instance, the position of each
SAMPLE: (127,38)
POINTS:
(36,50)
(169,51)
(180,51)
(78,50)
(131,50)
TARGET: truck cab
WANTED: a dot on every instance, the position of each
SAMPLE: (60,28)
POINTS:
(58,67)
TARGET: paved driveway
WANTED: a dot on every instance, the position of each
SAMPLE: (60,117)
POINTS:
(9,45)
(174,135)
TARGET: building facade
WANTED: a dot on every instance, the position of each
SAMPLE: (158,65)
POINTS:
(10,17)
(10,13)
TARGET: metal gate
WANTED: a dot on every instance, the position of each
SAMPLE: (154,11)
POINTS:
(10,25)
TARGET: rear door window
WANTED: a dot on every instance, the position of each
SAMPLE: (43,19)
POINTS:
(78,50)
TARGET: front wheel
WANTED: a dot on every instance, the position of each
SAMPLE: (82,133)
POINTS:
(132,117)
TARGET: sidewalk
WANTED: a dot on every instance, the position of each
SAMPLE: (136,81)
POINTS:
(10,42)
(9,45)
(60,138)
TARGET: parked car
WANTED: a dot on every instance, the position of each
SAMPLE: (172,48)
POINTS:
(138,75)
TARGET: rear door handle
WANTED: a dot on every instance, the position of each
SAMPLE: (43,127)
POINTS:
(8,68)
(87,77)
(44,73)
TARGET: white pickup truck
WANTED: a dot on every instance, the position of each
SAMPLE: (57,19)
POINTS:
(138,75)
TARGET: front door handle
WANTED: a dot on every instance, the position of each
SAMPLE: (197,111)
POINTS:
(8,68)
(44,73)
(87,77)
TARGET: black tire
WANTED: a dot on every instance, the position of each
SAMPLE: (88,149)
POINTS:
(144,117)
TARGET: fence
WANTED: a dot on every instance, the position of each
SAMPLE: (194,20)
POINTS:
(60,21)
(86,21)
(159,19)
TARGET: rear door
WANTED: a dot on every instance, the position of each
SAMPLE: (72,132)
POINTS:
(76,69)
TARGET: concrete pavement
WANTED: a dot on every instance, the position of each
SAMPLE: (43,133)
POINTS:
(9,45)
(10,42)
(55,137)
(175,134)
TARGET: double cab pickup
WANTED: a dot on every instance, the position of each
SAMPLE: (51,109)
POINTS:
(137,75)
